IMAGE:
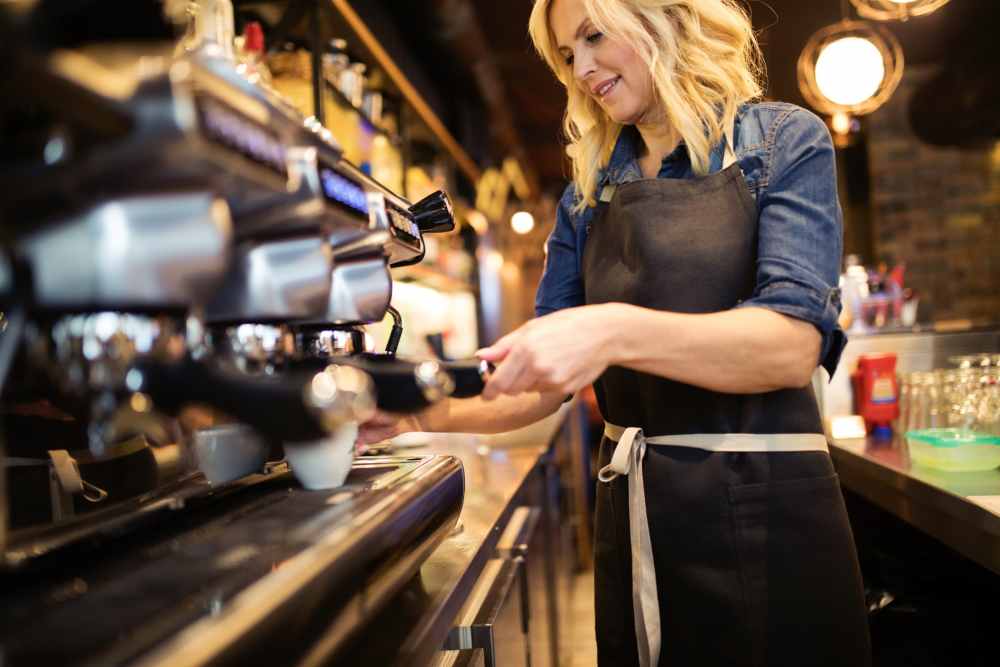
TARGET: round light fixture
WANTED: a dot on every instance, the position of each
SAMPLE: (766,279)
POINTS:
(850,67)
(896,10)
(522,222)
(849,70)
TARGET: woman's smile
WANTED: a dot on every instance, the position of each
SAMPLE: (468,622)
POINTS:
(603,89)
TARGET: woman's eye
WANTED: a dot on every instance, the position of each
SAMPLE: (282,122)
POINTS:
(592,38)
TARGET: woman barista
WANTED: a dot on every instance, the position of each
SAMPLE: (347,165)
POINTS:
(690,276)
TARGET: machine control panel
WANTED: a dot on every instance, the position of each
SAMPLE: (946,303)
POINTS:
(353,193)
(224,126)
(343,192)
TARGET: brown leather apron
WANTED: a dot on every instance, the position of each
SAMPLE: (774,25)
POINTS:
(753,558)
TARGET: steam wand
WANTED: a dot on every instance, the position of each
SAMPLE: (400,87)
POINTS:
(396,333)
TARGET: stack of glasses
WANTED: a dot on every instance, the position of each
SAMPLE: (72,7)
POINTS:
(951,417)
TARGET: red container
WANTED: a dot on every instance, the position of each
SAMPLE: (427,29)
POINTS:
(876,394)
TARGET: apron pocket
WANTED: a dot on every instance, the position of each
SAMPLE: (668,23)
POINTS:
(750,493)
(801,582)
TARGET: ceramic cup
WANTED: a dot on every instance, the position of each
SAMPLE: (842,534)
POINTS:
(324,464)
(228,452)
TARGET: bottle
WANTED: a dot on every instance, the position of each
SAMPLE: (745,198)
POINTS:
(252,64)
(211,29)
(854,286)
(875,392)
(335,61)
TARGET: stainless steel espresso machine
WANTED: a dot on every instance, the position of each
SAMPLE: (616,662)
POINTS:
(186,268)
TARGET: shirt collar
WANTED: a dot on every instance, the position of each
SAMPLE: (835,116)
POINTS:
(623,166)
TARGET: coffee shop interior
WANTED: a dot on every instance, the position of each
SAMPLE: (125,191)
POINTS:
(232,230)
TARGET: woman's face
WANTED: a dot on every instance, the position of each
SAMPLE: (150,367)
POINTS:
(607,69)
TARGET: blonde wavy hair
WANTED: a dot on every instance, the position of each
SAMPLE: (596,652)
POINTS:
(704,60)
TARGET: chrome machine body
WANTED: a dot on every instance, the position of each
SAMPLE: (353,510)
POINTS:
(124,245)
(189,241)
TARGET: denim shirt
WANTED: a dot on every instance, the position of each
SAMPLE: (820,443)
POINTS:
(789,166)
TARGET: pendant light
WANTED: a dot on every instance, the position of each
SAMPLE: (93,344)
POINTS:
(522,222)
(850,67)
(896,10)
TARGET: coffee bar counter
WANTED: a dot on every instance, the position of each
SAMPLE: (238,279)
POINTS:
(959,509)
(421,545)
(509,539)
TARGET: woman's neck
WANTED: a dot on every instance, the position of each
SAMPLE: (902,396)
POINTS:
(659,139)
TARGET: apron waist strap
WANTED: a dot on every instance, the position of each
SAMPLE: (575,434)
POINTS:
(732,442)
(627,458)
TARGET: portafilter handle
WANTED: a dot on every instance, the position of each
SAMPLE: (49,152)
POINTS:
(408,385)
(469,375)
(433,214)
(400,386)
(301,408)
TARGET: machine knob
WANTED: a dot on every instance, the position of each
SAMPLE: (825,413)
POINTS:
(433,214)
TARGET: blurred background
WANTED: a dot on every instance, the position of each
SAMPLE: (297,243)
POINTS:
(428,95)
(450,93)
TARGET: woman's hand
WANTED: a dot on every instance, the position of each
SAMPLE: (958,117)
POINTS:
(560,352)
(384,425)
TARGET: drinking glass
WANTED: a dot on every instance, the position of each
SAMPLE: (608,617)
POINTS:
(905,388)
(918,413)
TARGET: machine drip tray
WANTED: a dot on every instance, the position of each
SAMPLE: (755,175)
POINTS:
(262,572)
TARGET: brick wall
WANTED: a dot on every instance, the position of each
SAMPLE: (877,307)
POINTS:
(937,209)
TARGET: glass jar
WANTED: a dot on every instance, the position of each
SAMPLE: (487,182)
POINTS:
(988,401)
(918,413)
(905,388)
(962,409)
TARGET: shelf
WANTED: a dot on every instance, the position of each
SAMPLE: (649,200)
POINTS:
(337,18)
(341,100)
(409,92)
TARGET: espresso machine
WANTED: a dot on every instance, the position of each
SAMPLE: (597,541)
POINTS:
(185,274)
(117,285)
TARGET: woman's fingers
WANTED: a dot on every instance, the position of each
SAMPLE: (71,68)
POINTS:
(368,434)
(529,375)
(550,353)
(507,372)
(498,350)
(380,426)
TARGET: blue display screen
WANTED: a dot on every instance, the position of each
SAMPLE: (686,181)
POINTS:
(231,129)
(343,191)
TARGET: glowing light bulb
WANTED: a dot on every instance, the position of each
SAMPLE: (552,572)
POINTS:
(841,123)
(522,222)
(849,70)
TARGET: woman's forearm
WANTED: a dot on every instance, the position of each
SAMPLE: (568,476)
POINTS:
(745,350)
(475,415)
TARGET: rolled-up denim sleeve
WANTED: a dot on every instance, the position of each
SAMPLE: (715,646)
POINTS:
(561,285)
(800,232)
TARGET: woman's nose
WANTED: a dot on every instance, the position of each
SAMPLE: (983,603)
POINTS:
(583,66)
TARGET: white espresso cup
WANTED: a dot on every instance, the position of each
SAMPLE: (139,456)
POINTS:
(228,452)
(324,464)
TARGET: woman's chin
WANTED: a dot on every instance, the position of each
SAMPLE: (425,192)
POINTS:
(622,116)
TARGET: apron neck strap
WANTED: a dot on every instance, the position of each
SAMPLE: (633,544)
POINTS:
(730,155)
